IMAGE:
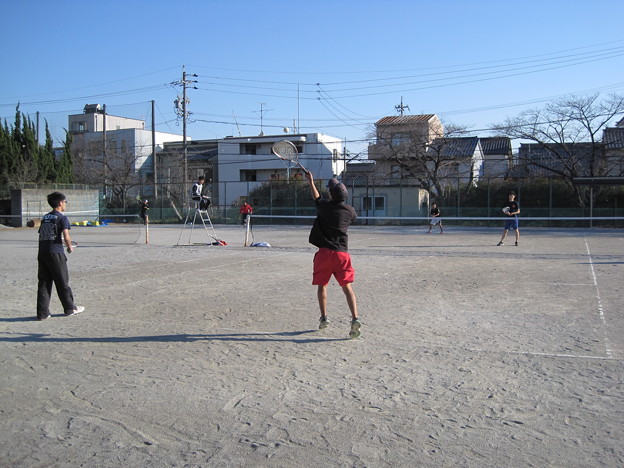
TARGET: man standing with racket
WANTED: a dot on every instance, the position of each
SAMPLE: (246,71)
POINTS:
(329,234)
(512,209)
(435,218)
(54,230)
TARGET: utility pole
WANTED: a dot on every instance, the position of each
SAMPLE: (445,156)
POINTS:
(155,166)
(104,157)
(181,109)
(400,108)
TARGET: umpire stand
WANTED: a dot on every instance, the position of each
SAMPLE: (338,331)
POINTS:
(202,212)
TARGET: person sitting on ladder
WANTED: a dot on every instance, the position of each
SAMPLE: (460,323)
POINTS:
(198,196)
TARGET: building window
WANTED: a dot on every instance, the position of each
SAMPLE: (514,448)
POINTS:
(379,203)
(249,148)
(124,147)
(247,175)
(395,172)
(399,139)
(79,127)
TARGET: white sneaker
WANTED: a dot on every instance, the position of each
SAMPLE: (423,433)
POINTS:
(355,329)
(77,310)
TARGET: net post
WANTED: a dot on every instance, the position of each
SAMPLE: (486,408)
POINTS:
(247,223)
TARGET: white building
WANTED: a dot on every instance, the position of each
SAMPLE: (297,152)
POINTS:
(115,149)
(246,162)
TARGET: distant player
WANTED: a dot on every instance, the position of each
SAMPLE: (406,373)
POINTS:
(245,210)
(435,218)
(512,209)
(144,214)
(329,234)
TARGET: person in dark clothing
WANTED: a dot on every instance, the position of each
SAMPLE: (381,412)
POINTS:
(512,210)
(51,259)
(144,214)
(197,194)
(329,234)
(435,218)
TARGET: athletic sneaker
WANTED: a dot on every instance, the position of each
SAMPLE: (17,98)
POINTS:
(516,244)
(323,323)
(500,243)
(77,310)
(355,328)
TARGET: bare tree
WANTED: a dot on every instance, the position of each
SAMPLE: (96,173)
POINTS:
(568,136)
(421,156)
(113,169)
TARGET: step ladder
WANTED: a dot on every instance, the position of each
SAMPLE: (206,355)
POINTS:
(205,218)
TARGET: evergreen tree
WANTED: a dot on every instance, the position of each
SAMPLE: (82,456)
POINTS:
(4,154)
(29,152)
(47,166)
(64,165)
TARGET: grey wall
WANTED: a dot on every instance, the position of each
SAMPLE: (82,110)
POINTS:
(83,205)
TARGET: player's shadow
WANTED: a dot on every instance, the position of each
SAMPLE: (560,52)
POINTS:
(293,337)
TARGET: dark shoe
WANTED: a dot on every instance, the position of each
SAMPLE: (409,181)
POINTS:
(500,243)
(516,244)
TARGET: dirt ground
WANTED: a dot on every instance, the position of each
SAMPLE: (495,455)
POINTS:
(471,355)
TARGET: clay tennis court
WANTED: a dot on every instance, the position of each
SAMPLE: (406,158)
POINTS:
(471,355)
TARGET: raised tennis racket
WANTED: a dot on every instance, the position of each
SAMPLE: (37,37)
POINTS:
(506,210)
(287,151)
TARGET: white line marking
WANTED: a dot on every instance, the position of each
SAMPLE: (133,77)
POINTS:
(600,307)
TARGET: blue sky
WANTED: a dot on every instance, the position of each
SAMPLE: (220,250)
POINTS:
(333,67)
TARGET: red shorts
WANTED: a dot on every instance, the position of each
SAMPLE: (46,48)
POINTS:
(329,262)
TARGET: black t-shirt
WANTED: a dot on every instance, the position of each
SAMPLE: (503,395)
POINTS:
(51,232)
(435,212)
(331,224)
(513,206)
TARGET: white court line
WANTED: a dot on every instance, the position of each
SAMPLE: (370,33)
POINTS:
(544,284)
(551,355)
(600,307)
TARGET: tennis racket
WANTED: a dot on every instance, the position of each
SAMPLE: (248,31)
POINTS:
(287,151)
(74,244)
(506,210)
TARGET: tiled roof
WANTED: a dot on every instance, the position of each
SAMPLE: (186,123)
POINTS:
(454,147)
(537,151)
(613,138)
(496,145)
(405,119)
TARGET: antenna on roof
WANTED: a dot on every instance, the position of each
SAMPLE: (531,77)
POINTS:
(400,108)
(236,122)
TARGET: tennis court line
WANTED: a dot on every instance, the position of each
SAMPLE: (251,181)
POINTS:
(599,300)
(551,355)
